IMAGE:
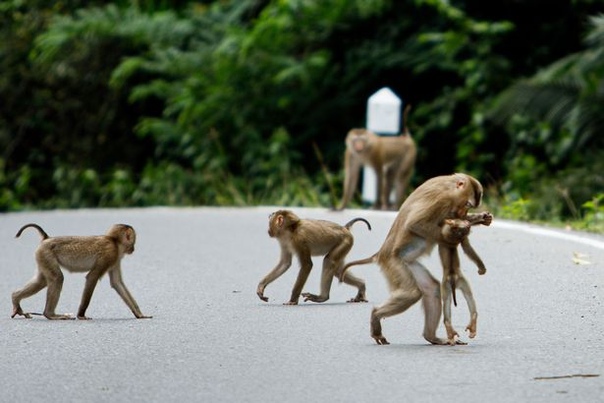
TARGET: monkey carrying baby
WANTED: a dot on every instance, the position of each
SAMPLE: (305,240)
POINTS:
(417,228)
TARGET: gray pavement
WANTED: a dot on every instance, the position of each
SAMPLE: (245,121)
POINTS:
(540,326)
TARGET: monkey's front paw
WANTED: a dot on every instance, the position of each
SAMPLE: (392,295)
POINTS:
(358,298)
(262,297)
(291,303)
(380,340)
(487,218)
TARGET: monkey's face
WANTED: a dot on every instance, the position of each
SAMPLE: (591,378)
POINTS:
(471,191)
(357,140)
(129,239)
(273,225)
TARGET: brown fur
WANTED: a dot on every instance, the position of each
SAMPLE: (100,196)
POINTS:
(306,238)
(391,157)
(456,231)
(96,255)
(416,229)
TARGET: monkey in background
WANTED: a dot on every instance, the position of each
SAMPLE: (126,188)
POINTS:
(96,255)
(391,157)
(306,238)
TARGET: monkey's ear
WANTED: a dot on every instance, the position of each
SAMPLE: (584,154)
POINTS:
(478,199)
(460,184)
(279,220)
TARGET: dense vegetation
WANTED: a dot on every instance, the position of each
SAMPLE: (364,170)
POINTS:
(238,102)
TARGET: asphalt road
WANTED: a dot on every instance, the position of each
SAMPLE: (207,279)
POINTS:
(540,325)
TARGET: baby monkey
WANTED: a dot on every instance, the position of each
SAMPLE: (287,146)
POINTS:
(306,238)
(96,255)
(455,231)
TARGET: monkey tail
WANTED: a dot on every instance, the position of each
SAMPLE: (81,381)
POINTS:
(452,282)
(349,223)
(405,114)
(36,226)
(370,259)
(452,278)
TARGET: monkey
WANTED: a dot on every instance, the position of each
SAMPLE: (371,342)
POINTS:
(96,255)
(455,231)
(306,238)
(416,229)
(391,157)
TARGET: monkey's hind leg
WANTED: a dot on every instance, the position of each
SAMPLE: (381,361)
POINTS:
(53,292)
(446,290)
(464,286)
(332,261)
(399,301)
(32,287)
(359,284)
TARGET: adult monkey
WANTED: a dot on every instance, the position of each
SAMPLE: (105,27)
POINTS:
(416,229)
(391,157)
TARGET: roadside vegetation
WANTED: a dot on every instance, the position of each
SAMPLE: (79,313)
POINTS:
(247,102)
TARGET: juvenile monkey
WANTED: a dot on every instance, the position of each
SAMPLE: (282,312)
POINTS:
(391,157)
(96,255)
(306,238)
(417,228)
(456,231)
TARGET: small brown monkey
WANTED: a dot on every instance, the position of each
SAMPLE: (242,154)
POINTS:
(391,157)
(417,228)
(96,255)
(456,231)
(306,238)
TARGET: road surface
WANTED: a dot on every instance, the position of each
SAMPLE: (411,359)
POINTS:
(540,325)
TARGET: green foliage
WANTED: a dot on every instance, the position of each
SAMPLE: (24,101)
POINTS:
(220,102)
(516,209)
(555,123)
(593,218)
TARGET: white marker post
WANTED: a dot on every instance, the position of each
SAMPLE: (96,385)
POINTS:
(384,118)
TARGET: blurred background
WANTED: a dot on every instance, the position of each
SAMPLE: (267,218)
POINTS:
(248,102)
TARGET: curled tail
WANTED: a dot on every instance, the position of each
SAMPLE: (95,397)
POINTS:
(367,260)
(349,223)
(36,226)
